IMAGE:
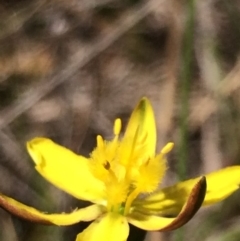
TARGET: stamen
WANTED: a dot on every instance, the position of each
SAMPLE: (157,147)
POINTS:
(167,148)
(117,126)
(130,199)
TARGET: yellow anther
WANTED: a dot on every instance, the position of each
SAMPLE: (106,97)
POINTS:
(117,126)
(100,142)
(167,148)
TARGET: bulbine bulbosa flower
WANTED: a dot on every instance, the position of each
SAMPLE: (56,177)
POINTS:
(121,179)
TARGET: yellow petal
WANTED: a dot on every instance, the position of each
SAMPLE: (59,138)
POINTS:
(168,201)
(110,227)
(222,184)
(142,121)
(65,169)
(153,222)
(32,214)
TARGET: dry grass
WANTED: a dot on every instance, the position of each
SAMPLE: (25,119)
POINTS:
(69,68)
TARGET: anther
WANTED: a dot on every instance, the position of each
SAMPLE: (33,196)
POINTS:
(107,165)
(167,148)
(117,126)
(100,142)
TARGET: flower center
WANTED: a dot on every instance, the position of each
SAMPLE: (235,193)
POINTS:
(126,168)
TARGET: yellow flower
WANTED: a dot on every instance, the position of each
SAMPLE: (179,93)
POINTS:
(121,178)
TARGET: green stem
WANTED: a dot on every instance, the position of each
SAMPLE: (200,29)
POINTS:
(185,78)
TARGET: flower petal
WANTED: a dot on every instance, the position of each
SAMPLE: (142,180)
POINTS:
(153,222)
(222,184)
(110,227)
(65,169)
(168,201)
(143,121)
(31,214)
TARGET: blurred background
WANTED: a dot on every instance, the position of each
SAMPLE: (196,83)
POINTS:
(69,68)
